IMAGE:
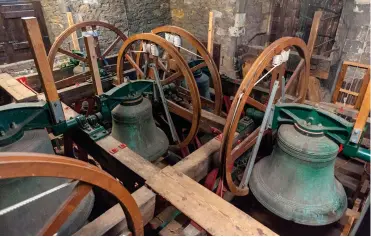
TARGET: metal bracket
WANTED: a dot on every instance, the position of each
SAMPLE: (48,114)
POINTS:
(57,111)
(356,136)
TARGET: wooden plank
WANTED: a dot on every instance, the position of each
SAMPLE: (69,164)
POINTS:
(208,210)
(93,64)
(75,42)
(41,60)
(129,158)
(113,217)
(17,90)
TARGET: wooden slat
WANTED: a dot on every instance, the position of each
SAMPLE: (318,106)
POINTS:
(41,60)
(208,210)
(113,217)
(17,90)
(210,34)
(349,92)
(75,42)
(129,158)
(93,64)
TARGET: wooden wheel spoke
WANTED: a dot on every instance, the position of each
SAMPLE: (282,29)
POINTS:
(66,209)
(134,65)
(72,55)
(178,74)
(256,104)
(110,48)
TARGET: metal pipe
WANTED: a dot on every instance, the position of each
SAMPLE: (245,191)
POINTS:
(250,163)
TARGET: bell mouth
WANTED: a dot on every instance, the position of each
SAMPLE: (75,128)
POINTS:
(132,99)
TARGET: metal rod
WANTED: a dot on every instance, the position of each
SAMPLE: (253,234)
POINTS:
(360,219)
(250,163)
(174,134)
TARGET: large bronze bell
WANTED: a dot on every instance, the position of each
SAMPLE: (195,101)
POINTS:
(297,181)
(133,124)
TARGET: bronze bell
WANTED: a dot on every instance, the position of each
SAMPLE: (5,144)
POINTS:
(297,181)
(133,124)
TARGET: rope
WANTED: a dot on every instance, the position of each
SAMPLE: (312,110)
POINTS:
(34,198)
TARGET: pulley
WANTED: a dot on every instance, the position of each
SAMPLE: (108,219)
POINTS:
(297,181)
(134,125)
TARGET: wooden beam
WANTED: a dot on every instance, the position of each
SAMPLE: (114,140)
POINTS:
(41,60)
(75,41)
(207,209)
(198,163)
(129,158)
(93,64)
(115,217)
(208,119)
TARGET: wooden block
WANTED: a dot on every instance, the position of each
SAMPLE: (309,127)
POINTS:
(208,210)
(114,217)
(17,90)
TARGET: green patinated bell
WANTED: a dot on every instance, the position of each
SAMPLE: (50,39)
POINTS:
(297,181)
(133,124)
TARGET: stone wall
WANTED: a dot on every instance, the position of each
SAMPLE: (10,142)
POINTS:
(129,16)
(193,15)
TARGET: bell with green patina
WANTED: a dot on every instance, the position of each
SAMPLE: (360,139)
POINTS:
(133,125)
(297,181)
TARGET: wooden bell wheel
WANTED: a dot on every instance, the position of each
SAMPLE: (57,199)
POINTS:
(87,28)
(21,165)
(229,153)
(208,62)
(127,53)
